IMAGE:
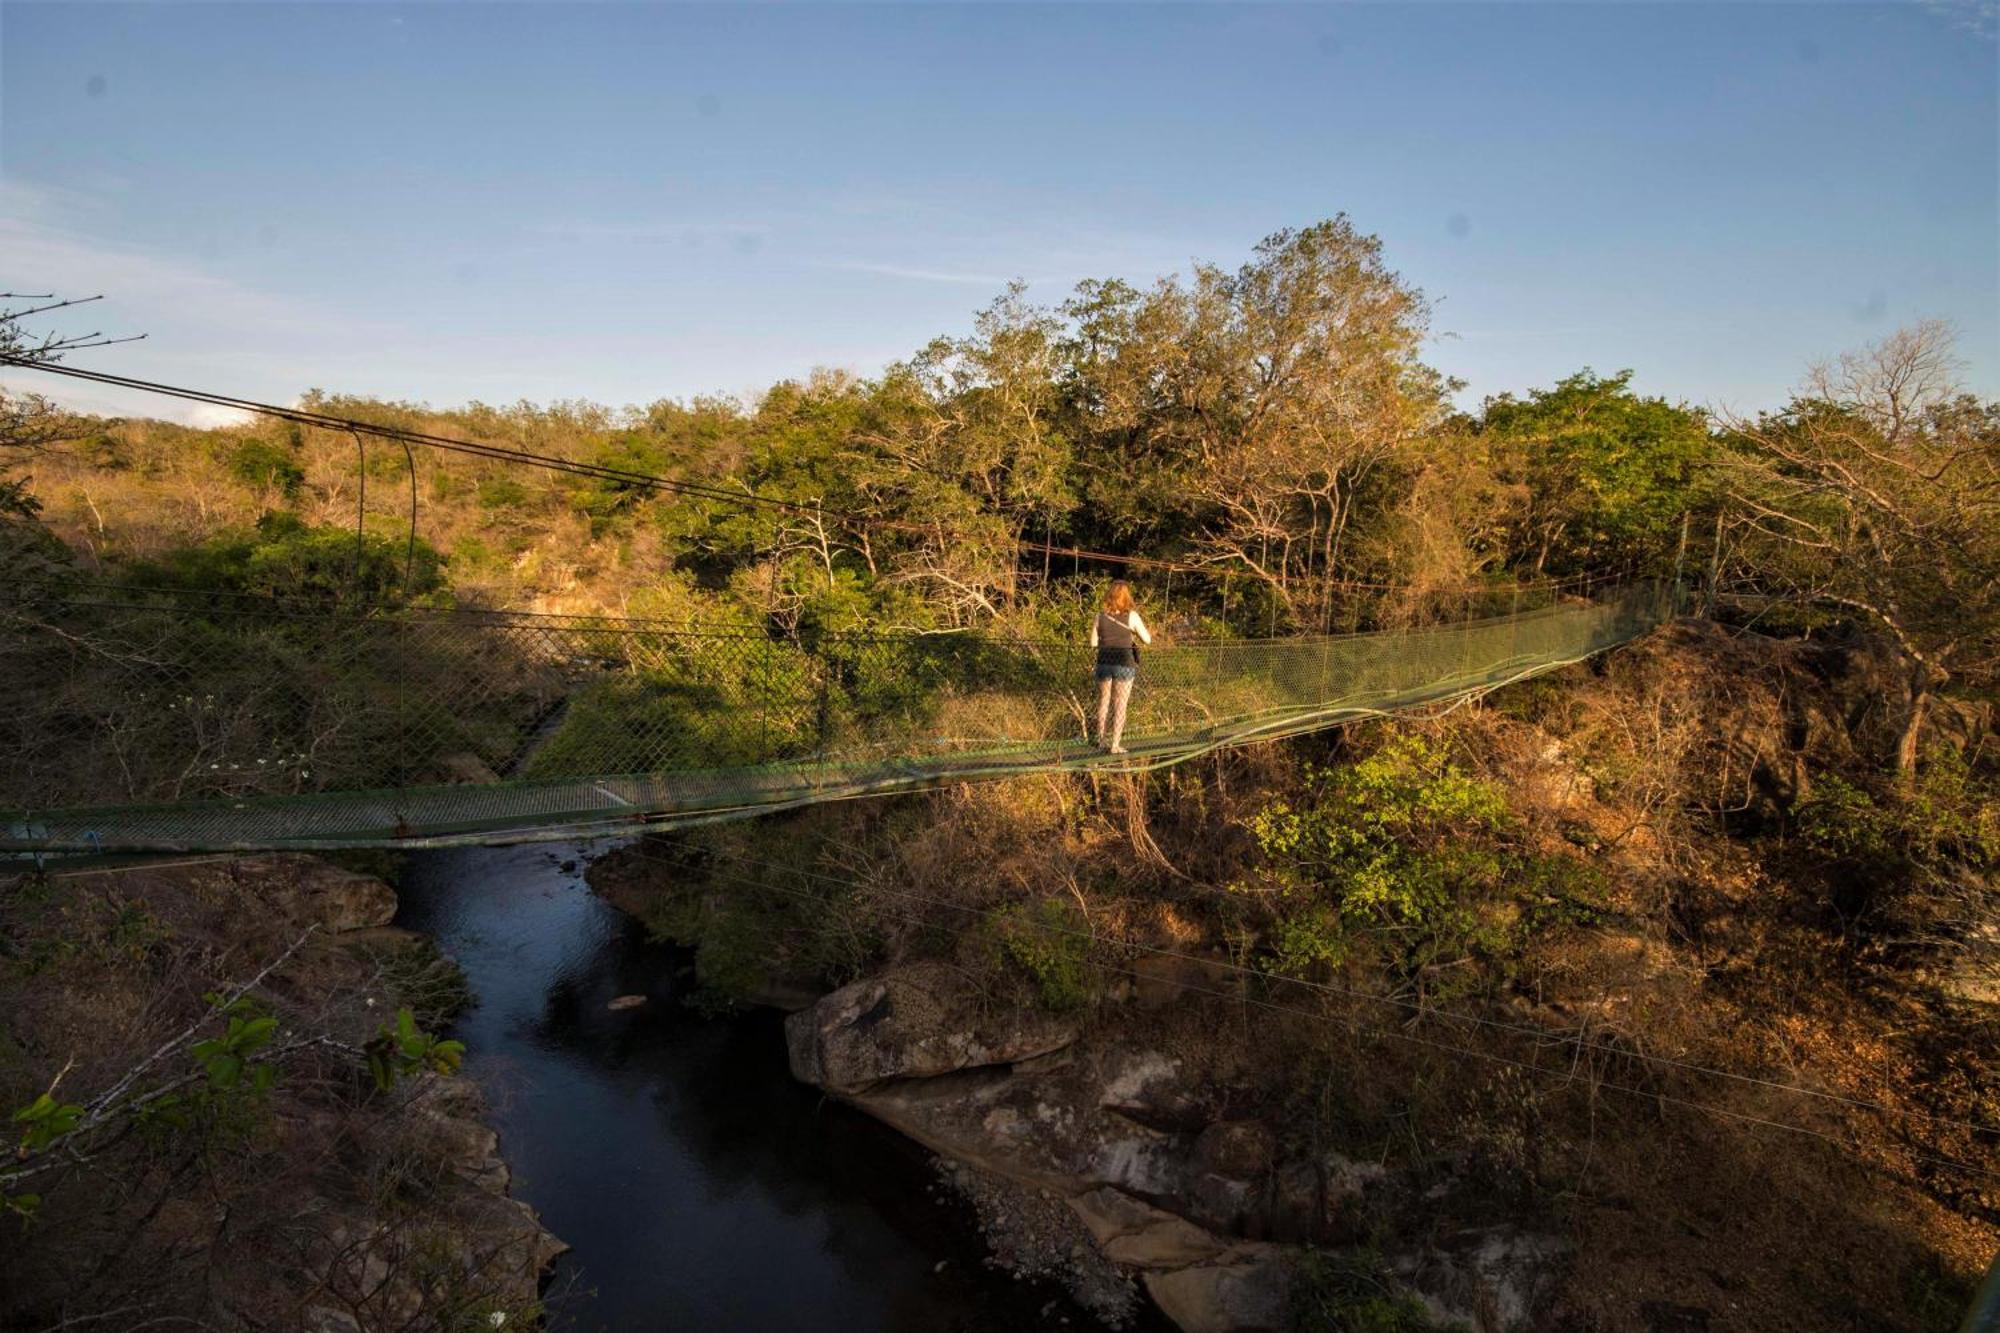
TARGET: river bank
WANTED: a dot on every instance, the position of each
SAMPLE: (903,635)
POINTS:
(674,1152)
(1480,1020)
(260,1179)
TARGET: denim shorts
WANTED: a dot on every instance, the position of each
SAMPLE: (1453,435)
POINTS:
(1105,672)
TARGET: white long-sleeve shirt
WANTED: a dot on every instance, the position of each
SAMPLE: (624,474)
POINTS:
(1133,621)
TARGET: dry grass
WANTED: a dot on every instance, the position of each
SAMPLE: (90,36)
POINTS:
(136,489)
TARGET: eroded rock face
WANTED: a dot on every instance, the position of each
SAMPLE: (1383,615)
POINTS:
(909,1024)
(1136,1233)
(1492,1279)
(1237,1149)
(1973,976)
(1149,1087)
(1205,1210)
(315,892)
(376,1270)
(1245,1295)
(1049,1128)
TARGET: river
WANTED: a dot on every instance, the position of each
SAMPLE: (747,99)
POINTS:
(699,1186)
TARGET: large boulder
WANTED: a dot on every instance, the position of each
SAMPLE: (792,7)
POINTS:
(1046,1128)
(1233,1161)
(1150,1087)
(914,1023)
(1247,1294)
(315,892)
(1236,1149)
(1132,1232)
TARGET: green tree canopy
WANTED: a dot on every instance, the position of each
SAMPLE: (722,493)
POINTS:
(1606,475)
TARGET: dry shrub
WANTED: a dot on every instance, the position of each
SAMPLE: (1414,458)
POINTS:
(994,715)
(320,1192)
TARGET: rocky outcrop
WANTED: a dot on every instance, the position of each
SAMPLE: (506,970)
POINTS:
(329,1210)
(379,1268)
(1489,1279)
(1245,1294)
(908,1024)
(1972,976)
(1206,1211)
(1139,1235)
(382,1270)
(309,890)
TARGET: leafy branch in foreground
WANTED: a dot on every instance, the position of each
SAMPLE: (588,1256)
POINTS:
(233,1067)
(406,1049)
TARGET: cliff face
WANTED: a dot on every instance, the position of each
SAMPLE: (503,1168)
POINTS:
(1556,1113)
(1127,1128)
(318,1203)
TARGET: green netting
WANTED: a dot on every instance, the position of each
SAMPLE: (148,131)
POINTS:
(151,722)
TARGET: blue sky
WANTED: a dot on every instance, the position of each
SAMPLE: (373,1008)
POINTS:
(624,203)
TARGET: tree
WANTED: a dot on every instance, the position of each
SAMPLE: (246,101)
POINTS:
(1241,415)
(1608,475)
(1876,494)
(30,425)
(28,421)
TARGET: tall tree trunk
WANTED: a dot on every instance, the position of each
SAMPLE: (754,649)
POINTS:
(1913,725)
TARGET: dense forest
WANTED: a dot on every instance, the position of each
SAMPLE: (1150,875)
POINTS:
(1763,841)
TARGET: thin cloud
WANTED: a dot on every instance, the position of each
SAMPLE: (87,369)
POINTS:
(41,258)
(201,326)
(921,274)
(211,416)
(646,233)
(1981,18)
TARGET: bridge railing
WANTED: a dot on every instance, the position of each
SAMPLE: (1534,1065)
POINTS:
(124,697)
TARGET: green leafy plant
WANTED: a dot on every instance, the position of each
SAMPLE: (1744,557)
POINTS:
(401,1049)
(1609,474)
(261,463)
(1046,940)
(284,555)
(226,1058)
(1406,849)
(1948,814)
(43,1121)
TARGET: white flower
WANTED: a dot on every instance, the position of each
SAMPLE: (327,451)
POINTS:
(496,1319)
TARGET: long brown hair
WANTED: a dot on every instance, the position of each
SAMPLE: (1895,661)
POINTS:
(1118,600)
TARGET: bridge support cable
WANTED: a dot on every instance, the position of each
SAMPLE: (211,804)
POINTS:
(185,722)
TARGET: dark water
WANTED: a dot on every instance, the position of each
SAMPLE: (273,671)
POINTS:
(700,1187)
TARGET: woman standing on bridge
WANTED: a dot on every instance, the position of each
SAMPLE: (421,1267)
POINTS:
(1115,634)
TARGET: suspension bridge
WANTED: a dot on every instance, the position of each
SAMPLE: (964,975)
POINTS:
(233,723)
(177,719)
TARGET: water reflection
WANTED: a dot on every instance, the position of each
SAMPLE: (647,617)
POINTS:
(700,1187)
